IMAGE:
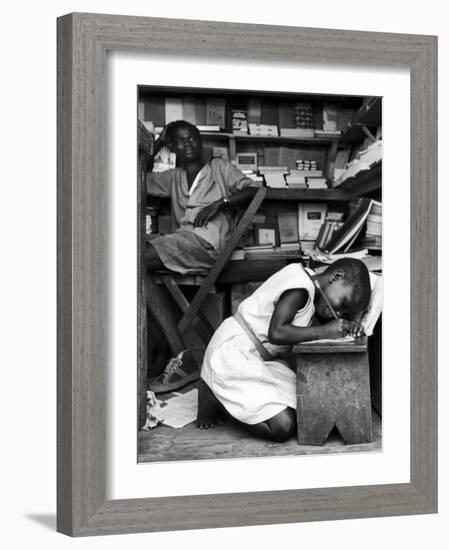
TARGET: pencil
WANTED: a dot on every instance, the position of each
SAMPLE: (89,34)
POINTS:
(317,285)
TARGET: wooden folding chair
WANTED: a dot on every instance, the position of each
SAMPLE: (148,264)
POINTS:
(206,280)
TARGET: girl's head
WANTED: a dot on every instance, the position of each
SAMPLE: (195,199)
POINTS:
(347,286)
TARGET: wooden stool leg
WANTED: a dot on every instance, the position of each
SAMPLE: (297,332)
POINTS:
(333,390)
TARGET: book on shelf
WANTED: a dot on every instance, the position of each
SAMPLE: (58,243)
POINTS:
(154,110)
(372,154)
(272,253)
(149,126)
(288,226)
(238,254)
(330,117)
(326,233)
(368,158)
(263,129)
(209,128)
(258,247)
(246,161)
(285,115)
(173,109)
(265,169)
(331,134)
(373,235)
(215,111)
(254,110)
(274,179)
(307,245)
(297,132)
(291,246)
(346,236)
(141,110)
(297,181)
(269,111)
(239,121)
(303,115)
(188,107)
(310,218)
(324,258)
(307,173)
(256,178)
(316,183)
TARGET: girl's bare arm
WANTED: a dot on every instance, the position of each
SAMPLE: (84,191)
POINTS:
(282,332)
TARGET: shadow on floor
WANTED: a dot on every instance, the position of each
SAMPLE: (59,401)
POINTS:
(46,520)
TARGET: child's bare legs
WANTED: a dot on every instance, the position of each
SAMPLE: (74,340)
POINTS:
(211,412)
(279,428)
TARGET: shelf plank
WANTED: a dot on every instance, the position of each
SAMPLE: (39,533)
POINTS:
(307,194)
(364,182)
(279,139)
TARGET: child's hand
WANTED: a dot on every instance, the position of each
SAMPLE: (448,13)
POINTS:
(338,328)
(356,329)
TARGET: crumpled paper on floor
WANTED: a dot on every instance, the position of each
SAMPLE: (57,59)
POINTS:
(155,413)
(181,410)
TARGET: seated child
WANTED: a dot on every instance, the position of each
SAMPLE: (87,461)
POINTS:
(242,372)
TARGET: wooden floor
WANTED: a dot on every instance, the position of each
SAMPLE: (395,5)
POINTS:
(232,441)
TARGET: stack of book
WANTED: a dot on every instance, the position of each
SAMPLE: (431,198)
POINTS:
(326,133)
(297,132)
(269,130)
(309,165)
(367,159)
(209,128)
(252,174)
(326,233)
(274,175)
(316,182)
(288,227)
(270,252)
(373,235)
(296,180)
(310,219)
(303,115)
(239,122)
(346,236)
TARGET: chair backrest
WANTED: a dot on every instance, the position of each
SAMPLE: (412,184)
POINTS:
(223,257)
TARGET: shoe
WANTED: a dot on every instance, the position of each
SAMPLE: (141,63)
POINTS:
(180,371)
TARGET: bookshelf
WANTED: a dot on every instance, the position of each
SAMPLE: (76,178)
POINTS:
(357,131)
(356,122)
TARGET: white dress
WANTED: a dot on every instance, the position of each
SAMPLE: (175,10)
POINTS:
(253,390)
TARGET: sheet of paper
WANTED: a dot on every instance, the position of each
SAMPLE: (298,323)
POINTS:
(180,410)
(331,340)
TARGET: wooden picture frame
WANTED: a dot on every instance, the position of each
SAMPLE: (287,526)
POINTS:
(83,40)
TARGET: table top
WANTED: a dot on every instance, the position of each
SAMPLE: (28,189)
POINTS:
(358,345)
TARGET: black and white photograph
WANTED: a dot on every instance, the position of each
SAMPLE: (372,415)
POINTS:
(260,274)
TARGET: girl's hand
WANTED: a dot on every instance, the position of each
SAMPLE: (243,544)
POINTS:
(337,328)
(356,329)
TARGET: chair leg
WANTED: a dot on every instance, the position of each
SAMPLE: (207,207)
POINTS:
(205,329)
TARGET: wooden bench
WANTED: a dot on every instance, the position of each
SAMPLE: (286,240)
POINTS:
(333,390)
